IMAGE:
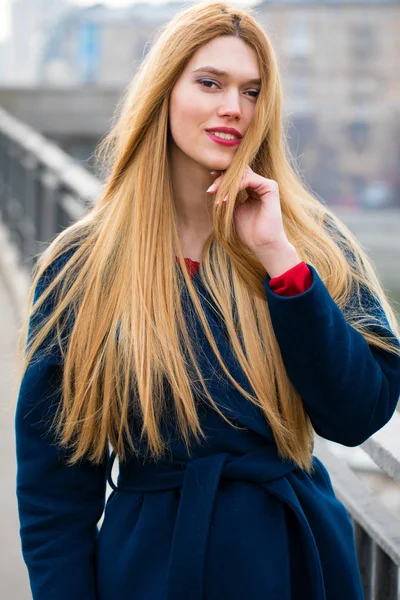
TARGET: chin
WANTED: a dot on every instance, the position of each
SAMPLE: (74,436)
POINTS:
(213,165)
(216,166)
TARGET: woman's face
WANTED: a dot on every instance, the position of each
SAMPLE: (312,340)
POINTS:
(202,100)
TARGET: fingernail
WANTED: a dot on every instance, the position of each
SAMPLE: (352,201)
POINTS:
(212,187)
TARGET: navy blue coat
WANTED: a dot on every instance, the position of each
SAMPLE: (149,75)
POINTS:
(231,522)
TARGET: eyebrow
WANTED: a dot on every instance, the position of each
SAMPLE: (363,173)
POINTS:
(210,69)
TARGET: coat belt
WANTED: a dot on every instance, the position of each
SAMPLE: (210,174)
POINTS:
(199,480)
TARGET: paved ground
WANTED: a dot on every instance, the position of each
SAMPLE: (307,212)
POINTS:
(14,584)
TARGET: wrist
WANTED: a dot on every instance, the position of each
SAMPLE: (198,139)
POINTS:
(279,258)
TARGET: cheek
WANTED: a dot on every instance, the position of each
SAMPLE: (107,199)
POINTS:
(186,115)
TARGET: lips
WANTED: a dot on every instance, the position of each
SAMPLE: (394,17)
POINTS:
(230,130)
(224,142)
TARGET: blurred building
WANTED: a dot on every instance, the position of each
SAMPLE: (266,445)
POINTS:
(338,61)
(99,45)
(31,24)
(340,71)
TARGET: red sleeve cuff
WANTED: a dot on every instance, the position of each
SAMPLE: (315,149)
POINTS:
(292,282)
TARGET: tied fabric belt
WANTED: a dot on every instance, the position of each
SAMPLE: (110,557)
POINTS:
(199,479)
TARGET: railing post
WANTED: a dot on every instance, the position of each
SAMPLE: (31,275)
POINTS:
(48,206)
(364,554)
(30,203)
(10,178)
(386,576)
(3,171)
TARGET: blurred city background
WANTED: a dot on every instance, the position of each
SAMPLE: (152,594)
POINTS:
(64,65)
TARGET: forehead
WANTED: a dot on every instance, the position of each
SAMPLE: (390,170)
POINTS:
(228,54)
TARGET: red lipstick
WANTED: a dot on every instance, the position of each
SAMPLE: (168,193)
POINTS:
(224,129)
(219,140)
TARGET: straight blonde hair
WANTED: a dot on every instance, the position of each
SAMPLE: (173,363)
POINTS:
(114,305)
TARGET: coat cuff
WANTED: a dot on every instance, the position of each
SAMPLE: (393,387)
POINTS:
(292,282)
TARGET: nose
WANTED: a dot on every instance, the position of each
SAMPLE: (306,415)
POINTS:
(231,105)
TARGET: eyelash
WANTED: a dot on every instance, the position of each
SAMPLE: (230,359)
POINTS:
(211,81)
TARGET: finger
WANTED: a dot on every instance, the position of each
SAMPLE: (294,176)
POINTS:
(212,189)
(214,186)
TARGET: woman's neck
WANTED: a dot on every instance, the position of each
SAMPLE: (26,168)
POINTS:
(192,244)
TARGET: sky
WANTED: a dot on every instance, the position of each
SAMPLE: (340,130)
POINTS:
(6,4)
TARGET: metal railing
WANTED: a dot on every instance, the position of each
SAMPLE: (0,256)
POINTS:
(42,190)
(376,528)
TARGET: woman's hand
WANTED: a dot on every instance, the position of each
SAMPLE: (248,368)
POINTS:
(259,224)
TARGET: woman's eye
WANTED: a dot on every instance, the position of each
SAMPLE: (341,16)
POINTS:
(205,81)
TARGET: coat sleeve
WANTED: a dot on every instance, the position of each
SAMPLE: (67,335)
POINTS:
(349,388)
(59,506)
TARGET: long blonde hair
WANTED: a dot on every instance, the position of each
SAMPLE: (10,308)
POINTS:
(116,299)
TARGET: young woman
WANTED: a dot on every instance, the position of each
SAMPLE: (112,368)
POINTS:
(208,381)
